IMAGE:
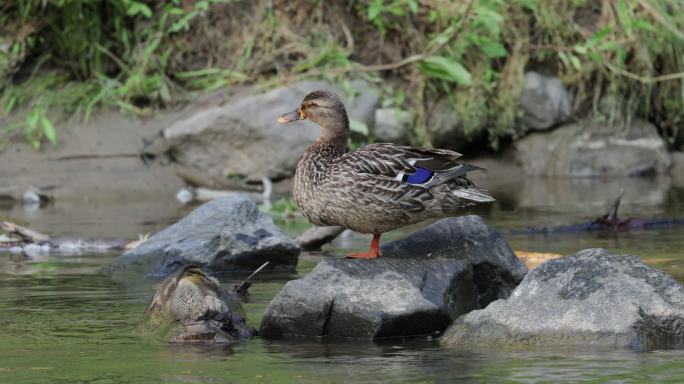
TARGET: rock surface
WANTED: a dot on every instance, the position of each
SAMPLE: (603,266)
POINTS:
(444,127)
(314,238)
(678,168)
(224,235)
(590,298)
(392,125)
(419,286)
(593,150)
(544,101)
(242,138)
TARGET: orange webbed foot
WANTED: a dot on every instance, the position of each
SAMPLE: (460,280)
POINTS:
(364,255)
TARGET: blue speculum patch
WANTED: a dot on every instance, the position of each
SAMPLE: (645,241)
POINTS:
(421,176)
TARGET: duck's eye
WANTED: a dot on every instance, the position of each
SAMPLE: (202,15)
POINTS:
(312,104)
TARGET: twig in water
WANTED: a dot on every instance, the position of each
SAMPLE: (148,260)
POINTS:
(242,288)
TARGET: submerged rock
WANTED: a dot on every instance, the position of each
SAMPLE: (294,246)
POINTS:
(192,307)
(592,150)
(590,298)
(224,235)
(544,101)
(419,286)
(243,139)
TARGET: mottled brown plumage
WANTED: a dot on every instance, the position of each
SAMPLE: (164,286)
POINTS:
(378,187)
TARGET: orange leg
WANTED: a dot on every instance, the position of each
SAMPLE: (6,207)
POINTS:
(372,253)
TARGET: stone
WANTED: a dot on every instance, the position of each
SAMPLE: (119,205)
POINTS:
(678,168)
(590,149)
(445,128)
(392,125)
(314,238)
(418,287)
(224,235)
(545,102)
(242,138)
(590,298)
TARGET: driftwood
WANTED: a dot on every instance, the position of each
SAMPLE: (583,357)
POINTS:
(609,221)
(25,234)
(196,178)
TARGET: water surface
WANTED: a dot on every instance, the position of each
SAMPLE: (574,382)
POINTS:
(62,321)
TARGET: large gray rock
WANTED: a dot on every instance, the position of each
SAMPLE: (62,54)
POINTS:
(243,138)
(592,150)
(224,235)
(590,298)
(544,101)
(392,125)
(419,286)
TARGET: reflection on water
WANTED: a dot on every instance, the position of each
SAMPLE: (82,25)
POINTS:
(61,321)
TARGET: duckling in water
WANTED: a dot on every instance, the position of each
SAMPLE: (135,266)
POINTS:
(379,187)
(196,300)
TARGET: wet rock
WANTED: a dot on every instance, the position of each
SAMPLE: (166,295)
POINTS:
(226,234)
(392,125)
(195,308)
(419,286)
(544,101)
(242,138)
(590,149)
(590,298)
(314,238)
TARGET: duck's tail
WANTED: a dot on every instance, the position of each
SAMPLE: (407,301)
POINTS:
(473,193)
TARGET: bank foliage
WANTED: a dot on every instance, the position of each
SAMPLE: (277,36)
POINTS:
(620,58)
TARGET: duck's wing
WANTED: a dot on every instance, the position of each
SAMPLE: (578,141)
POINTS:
(426,167)
(413,167)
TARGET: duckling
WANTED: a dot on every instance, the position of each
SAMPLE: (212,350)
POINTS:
(188,294)
(379,187)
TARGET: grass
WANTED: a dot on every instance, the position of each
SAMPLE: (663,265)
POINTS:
(621,59)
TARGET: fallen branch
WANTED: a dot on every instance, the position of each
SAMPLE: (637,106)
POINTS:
(608,221)
(242,288)
(27,235)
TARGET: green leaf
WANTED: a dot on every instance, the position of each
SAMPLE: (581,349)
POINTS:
(374,9)
(49,130)
(581,49)
(358,127)
(576,63)
(491,48)
(446,69)
(413,6)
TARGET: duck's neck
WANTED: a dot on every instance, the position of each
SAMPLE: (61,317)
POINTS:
(334,137)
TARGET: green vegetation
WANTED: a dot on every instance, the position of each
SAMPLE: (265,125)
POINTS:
(72,56)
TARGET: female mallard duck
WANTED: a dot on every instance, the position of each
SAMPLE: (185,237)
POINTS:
(378,187)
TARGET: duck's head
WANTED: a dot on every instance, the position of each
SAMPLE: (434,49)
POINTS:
(324,108)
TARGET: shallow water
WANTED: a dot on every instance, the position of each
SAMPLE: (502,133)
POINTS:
(62,321)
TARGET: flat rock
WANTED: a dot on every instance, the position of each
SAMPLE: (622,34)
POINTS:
(590,298)
(224,235)
(242,137)
(590,149)
(418,287)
